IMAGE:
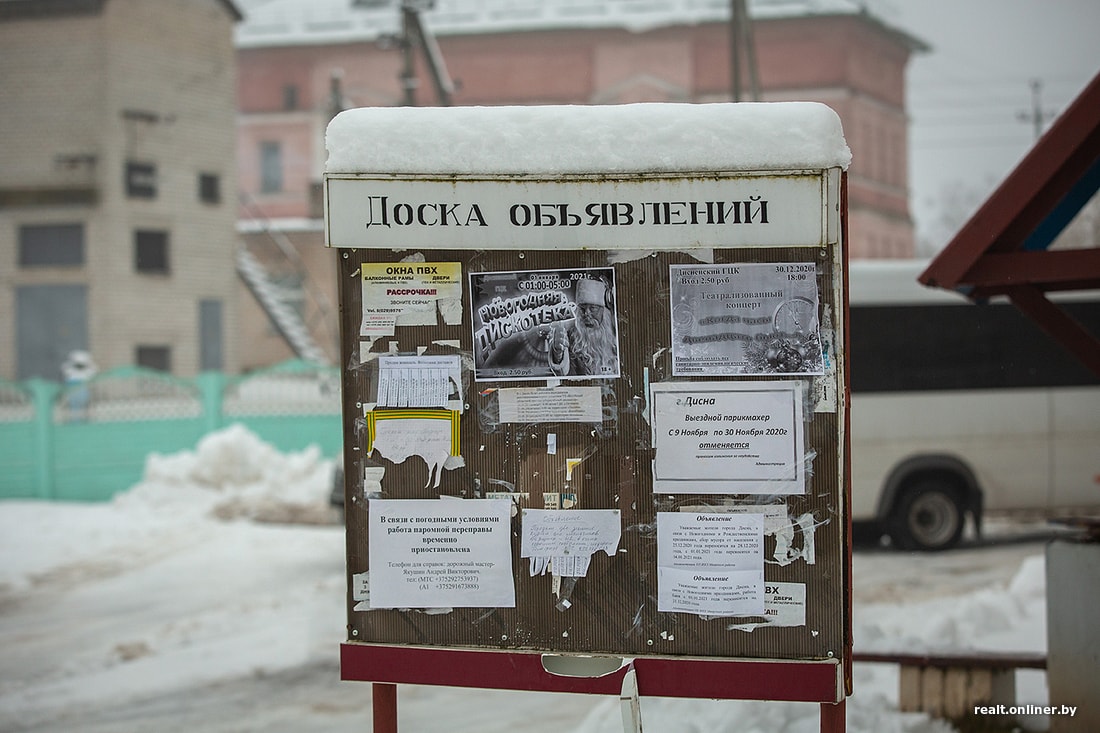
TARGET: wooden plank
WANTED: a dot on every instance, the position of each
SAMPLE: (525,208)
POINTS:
(932,691)
(1003,687)
(956,691)
(909,689)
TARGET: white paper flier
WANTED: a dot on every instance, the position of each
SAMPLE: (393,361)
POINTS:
(436,553)
(710,564)
(728,438)
(406,294)
(745,318)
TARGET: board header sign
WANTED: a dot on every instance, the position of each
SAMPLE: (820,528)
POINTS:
(369,211)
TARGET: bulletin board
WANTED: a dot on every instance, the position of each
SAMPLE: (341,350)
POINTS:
(561,441)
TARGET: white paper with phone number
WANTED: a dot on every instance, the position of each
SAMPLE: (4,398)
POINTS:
(434,553)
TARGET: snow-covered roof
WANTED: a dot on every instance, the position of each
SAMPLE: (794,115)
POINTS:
(301,22)
(568,139)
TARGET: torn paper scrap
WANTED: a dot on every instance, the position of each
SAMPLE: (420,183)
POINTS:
(784,605)
(360,587)
(776,524)
(372,480)
(431,434)
(807,524)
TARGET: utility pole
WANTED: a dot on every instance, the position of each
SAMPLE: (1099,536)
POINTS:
(741,42)
(415,35)
(336,101)
(1037,116)
(409,82)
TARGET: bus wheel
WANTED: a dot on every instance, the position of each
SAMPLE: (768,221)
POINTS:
(929,516)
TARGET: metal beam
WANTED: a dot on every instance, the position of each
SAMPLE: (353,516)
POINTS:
(1056,322)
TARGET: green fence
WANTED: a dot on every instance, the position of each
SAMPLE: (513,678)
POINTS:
(88,442)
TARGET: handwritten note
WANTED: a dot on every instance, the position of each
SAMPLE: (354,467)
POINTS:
(565,540)
(430,434)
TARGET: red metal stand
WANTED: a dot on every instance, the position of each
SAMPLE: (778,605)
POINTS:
(833,719)
(737,679)
(384,699)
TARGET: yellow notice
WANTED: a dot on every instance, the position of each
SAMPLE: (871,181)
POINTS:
(409,294)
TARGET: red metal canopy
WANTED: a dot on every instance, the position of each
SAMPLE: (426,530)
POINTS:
(1002,249)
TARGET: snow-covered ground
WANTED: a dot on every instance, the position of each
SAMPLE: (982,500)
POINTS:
(210,597)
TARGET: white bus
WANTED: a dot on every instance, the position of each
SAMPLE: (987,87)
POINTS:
(962,410)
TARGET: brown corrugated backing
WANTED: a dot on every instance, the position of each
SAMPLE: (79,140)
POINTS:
(614,608)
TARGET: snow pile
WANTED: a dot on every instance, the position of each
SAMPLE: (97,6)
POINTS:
(1008,619)
(866,712)
(233,473)
(168,588)
(156,605)
(564,139)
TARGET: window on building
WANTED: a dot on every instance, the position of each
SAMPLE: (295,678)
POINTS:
(154,357)
(290,97)
(151,255)
(210,188)
(897,158)
(271,167)
(51,245)
(141,180)
(883,150)
(211,335)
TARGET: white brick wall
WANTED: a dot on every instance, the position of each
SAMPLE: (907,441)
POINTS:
(146,80)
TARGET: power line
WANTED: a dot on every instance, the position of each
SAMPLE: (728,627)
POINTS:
(1037,115)
(1068,79)
(961,144)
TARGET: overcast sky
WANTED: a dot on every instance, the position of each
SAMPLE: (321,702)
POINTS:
(967,95)
(970,97)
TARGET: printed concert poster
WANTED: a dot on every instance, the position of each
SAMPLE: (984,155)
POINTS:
(745,319)
(545,324)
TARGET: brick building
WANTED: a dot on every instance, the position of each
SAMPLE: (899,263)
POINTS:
(299,61)
(118,185)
